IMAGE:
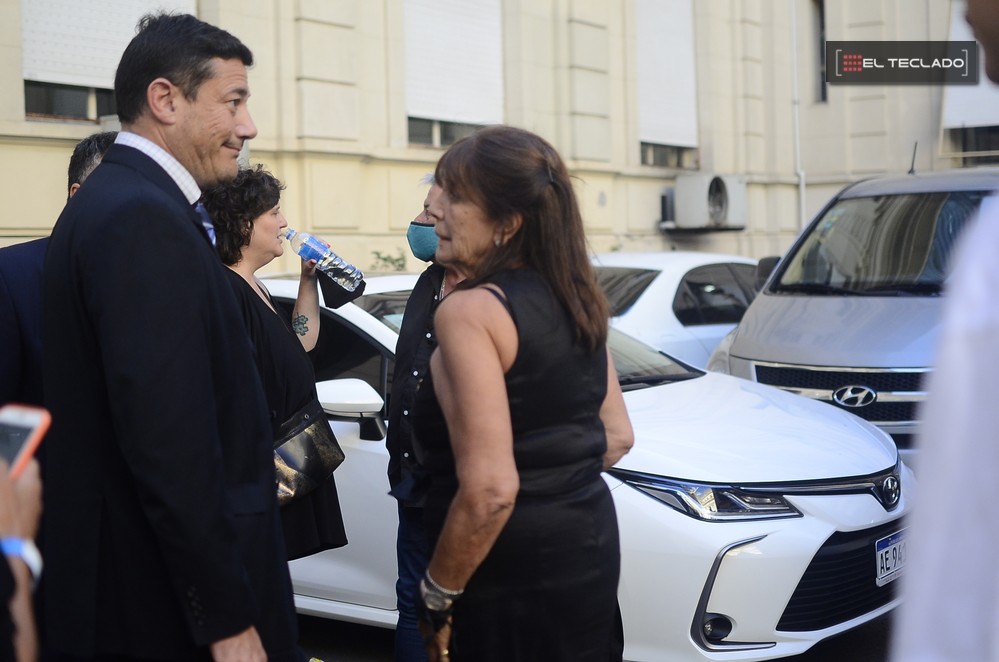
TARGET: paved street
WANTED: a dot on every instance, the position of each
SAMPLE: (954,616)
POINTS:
(865,644)
(333,641)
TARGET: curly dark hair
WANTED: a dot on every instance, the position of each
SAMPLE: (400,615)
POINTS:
(234,206)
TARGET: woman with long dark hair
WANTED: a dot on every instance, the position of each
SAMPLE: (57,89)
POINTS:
(519,414)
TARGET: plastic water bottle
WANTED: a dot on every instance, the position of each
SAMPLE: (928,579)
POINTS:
(310,247)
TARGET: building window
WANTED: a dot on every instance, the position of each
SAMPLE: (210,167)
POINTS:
(448,97)
(978,145)
(55,101)
(438,133)
(666,82)
(70,51)
(669,156)
(822,88)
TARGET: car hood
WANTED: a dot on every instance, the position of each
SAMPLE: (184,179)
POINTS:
(849,331)
(757,434)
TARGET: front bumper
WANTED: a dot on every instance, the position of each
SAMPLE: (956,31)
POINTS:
(775,587)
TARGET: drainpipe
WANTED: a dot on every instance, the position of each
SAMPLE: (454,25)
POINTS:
(796,107)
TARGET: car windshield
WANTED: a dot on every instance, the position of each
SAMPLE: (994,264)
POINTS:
(623,285)
(638,365)
(885,245)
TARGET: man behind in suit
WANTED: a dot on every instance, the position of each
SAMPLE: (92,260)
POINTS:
(161,521)
(21,291)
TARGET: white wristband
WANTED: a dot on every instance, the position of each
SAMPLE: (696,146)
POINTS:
(24,549)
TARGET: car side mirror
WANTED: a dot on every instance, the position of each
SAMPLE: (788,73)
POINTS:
(764,268)
(354,400)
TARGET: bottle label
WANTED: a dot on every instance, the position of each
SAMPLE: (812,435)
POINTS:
(313,249)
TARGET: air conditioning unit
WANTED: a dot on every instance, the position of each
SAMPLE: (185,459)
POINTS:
(704,202)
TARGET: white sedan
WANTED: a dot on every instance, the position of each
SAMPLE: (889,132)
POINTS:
(754,523)
(682,303)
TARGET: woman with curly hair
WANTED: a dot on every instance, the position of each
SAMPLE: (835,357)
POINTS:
(248,221)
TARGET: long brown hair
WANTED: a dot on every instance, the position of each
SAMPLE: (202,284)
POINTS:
(508,171)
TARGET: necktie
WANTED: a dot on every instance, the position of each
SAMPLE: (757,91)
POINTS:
(206,221)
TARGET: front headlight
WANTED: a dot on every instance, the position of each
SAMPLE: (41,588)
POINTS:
(718,361)
(709,502)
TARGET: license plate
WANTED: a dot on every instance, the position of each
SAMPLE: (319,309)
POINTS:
(889,557)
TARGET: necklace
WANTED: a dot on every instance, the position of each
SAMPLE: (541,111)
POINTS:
(440,296)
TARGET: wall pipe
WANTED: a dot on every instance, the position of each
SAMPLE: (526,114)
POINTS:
(796,111)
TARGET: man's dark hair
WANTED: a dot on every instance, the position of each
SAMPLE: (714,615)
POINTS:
(178,47)
(234,206)
(87,155)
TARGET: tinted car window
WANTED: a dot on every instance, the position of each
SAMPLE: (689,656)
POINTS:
(877,245)
(712,294)
(623,285)
(745,275)
(345,351)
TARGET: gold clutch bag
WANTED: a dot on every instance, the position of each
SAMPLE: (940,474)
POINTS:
(306,453)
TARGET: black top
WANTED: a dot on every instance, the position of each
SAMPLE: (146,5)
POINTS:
(311,523)
(547,588)
(417,342)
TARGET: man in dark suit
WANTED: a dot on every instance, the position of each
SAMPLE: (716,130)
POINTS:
(21,291)
(161,521)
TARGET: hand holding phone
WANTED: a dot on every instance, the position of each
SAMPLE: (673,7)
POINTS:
(21,430)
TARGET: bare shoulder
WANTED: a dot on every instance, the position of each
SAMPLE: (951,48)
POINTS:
(478,305)
(477,321)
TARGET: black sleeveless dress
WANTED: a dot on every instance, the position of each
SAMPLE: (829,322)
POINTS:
(312,523)
(548,588)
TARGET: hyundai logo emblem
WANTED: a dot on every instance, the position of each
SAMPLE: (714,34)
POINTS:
(891,489)
(854,396)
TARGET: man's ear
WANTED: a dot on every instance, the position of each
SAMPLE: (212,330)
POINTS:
(162,97)
(73,188)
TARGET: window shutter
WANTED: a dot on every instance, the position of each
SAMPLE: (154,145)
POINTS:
(80,43)
(454,60)
(667,71)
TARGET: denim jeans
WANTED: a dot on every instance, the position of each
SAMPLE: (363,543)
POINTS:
(413,554)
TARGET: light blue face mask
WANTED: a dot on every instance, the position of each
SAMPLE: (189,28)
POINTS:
(422,241)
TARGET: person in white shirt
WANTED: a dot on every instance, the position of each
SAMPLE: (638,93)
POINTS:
(950,605)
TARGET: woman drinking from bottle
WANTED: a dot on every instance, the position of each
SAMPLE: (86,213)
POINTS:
(249,224)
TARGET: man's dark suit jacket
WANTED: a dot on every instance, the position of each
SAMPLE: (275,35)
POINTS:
(21,322)
(161,520)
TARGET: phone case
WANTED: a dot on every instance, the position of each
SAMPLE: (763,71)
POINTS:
(37,421)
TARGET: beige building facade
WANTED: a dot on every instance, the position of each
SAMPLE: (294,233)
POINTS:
(342,90)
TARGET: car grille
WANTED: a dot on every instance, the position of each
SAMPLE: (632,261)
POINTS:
(899,393)
(787,377)
(840,582)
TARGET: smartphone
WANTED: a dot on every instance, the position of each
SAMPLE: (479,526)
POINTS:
(21,430)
